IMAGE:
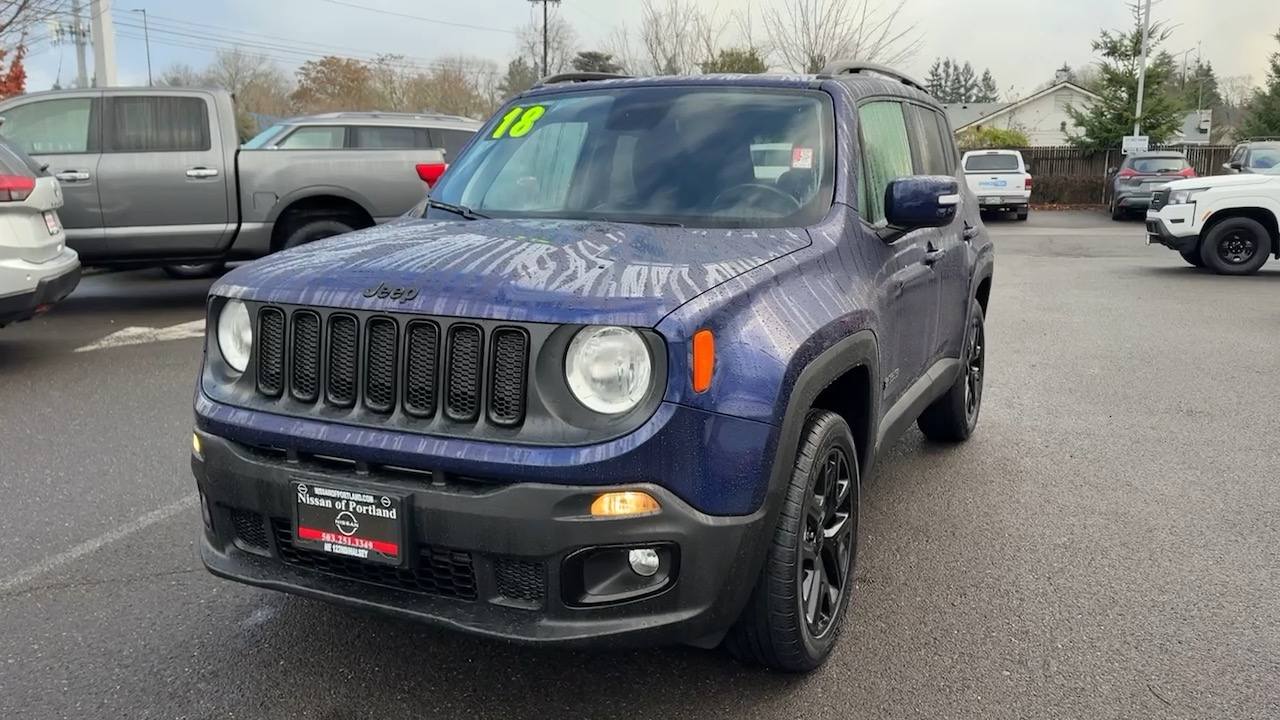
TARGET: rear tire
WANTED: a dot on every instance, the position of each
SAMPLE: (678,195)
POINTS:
(954,416)
(1117,213)
(796,611)
(1236,246)
(192,271)
(1022,215)
(1193,257)
(315,230)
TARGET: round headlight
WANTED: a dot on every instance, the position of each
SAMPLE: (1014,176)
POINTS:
(235,334)
(608,368)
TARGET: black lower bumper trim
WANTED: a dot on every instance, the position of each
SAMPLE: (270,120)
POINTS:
(50,290)
(489,561)
(1159,234)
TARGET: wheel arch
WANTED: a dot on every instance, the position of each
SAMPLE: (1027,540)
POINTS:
(845,379)
(1263,216)
(317,203)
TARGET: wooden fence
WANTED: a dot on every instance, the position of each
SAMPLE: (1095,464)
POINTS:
(1069,175)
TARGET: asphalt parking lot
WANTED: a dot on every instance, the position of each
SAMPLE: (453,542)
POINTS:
(1104,547)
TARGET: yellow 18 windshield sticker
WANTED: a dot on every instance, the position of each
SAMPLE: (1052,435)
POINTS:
(519,121)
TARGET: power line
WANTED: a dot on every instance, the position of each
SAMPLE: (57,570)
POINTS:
(419,17)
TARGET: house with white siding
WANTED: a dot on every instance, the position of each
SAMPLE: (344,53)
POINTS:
(1043,116)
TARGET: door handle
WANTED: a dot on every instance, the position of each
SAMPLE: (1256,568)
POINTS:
(970,232)
(72,175)
(202,172)
(933,255)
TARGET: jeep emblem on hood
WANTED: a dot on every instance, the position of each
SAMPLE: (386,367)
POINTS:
(403,294)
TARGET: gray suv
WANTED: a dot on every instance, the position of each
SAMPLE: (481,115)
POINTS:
(157,176)
(365,130)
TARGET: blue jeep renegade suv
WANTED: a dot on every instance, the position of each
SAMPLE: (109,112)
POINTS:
(618,379)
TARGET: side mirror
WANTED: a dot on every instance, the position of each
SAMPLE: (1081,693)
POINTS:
(1235,165)
(921,201)
(1113,170)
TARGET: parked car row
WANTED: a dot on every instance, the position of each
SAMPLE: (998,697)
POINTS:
(157,176)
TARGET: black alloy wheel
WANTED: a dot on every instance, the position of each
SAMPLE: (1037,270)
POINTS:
(828,543)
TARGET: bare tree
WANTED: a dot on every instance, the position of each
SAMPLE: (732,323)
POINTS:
(180,75)
(258,84)
(458,85)
(807,34)
(1237,90)
(562,43)
(20,17)
(391,80)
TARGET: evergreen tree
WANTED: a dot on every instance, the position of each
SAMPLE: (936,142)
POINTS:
(521,75)
(595,61)
(736,60)
(1109,119)
(967,84)
(935,81)
(988,91)
(1263,116)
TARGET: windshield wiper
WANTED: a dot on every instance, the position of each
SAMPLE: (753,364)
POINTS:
(462,210)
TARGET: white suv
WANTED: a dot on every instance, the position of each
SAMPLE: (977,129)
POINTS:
(1227,223)
(1000,180)
(37,269)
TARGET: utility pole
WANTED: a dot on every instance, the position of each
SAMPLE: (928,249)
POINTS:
(77,33)
(1142,67)
(146,38)
(546,34)
(104,43)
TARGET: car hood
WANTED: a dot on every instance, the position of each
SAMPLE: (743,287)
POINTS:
(1218,181)
(535,270)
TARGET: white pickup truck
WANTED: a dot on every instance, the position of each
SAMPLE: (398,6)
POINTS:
(1227,223)
(1000,180)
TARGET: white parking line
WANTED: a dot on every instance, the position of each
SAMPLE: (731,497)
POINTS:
(53,563)
(144,335)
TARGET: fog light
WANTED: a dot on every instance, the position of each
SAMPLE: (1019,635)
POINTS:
(644,562)
(195,444)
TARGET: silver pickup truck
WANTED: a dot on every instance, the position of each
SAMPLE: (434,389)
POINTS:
(158,176)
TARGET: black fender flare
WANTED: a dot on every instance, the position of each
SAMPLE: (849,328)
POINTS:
(317,191)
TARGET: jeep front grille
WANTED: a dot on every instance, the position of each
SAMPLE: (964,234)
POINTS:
(385,364)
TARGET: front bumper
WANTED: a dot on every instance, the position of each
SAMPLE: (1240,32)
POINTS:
(1172,226)
(52,281)
(502,560)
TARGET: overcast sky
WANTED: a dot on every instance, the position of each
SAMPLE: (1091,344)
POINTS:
(1021,41)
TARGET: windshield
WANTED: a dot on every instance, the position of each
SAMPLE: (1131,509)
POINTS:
(258,141)
(1264,158)
(991,163)
(697,157)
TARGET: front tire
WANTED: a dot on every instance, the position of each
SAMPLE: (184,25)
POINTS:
(796,611)
(1236,246)
(1193,257)
(193,271)
(315,230)
(954,416)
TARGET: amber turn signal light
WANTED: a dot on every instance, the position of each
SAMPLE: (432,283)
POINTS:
(704,359)
(616,504)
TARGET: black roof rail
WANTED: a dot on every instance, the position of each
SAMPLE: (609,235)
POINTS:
(854,67)
(578,77)
(1261,138)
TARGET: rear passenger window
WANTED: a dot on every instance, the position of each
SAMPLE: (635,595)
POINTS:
(158,124)
(451,140)
(385,138)
(928,140)
(315,137)
(886,155)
